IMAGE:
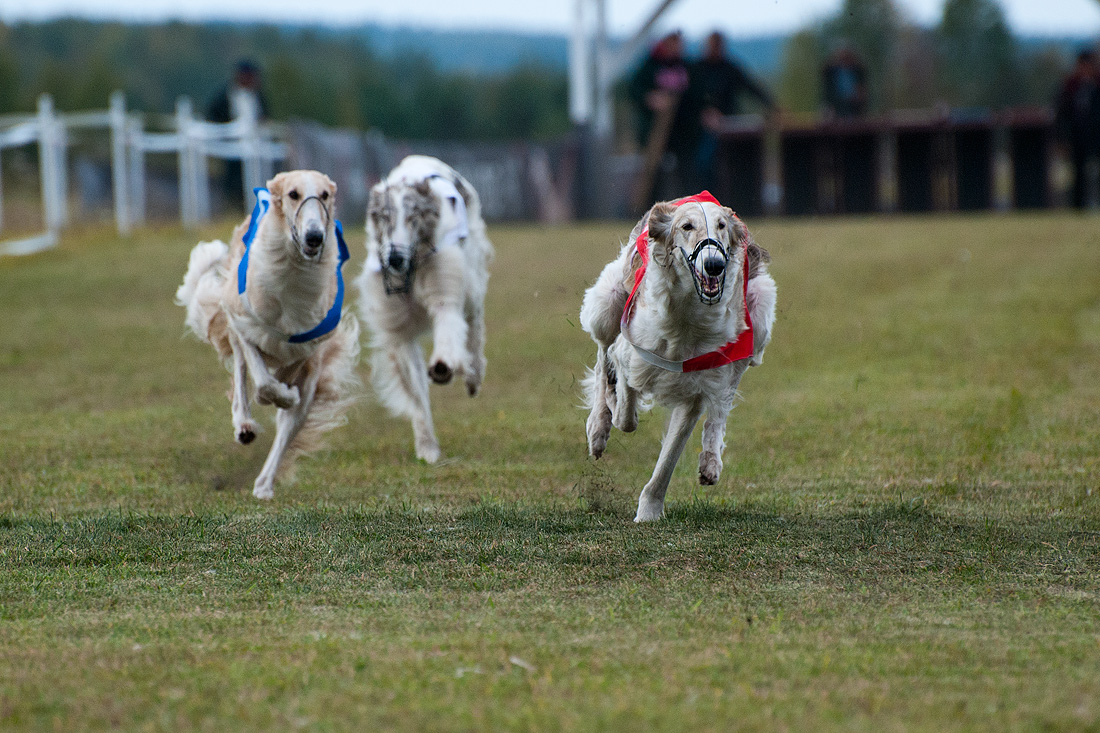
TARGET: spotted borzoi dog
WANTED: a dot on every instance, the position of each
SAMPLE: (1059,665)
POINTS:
(427,269)
(271,304)
(677,318)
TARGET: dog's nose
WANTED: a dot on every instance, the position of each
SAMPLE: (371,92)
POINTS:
(714,266)
(315,238)
(396,260)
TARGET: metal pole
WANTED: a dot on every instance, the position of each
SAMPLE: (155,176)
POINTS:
(47,163)
(250,149)
(119,180)
(137,172)
(188,214)
(580,67)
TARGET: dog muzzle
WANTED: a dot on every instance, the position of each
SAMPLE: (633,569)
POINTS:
(312,240)
(398,269)
(708,263)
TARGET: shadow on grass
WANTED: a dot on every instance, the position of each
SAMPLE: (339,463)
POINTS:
(500,547)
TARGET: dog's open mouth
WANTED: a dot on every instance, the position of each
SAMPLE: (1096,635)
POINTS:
(710,287)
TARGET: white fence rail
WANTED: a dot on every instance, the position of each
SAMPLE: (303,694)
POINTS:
(193,141)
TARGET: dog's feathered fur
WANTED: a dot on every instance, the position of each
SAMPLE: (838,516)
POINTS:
(410,216)
(670,319)
(290,287)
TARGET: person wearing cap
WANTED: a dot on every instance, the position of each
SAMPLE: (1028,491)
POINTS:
(240,98)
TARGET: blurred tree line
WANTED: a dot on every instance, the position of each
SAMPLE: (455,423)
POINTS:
(326,76)
(969,59)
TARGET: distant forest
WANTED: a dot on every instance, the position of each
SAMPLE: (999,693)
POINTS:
(331,77)
(500,86)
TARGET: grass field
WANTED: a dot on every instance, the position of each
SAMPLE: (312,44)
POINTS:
(905,537)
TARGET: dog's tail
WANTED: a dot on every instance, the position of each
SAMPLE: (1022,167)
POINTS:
(200,292)
(762,307)
(338,388)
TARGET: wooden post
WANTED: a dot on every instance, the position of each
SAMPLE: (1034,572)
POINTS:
(642,196)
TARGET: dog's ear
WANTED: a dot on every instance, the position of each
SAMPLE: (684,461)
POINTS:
(660,221)
(739,233)
(275,187)
(329,184)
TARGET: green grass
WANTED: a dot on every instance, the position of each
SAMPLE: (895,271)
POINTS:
(906,535)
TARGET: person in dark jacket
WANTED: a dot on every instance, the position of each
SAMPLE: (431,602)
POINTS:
(844,80)
(1077,120)
(663,82)
(722,89)
(241,98)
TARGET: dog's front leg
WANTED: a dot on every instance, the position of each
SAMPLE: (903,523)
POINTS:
(651,503)
(244,429)
(449,335)
(598,426)
(268,389)
(287,424)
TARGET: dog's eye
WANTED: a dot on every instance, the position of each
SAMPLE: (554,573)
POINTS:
(294,195)
(721,225)
(688,227)
(324,195)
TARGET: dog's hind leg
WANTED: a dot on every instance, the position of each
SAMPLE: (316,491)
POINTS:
(651,503)
(287,424)
(598,426)
(244,429)
(399,367)
(714,443)
(625,414)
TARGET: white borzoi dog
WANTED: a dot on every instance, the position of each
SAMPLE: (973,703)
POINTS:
(271,304)
(677,318)
(427,269)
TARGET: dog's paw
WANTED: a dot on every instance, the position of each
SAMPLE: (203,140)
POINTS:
(440,373)
(428,452)
(473,386)
(263,491)
(246,432)
(649,511)
(626,420)
(710,468)
(278,394)
(598,429)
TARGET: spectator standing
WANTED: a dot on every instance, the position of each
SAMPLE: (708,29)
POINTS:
(241,98)
(1077,120)
(722,87)
(844,80)
(668,114)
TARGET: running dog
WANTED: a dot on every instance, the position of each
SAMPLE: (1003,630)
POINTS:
(271,304)
(677,318)
(427,269)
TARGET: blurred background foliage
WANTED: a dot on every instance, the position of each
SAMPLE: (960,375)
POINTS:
(338,77)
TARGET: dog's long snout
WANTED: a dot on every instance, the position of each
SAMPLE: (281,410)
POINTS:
(714,266)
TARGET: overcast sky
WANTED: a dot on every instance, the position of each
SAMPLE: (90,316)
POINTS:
(735,17)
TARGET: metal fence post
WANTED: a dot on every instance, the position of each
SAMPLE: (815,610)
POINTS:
(136,165)
(250,149)
(50,165)
(188,200)
(119,182)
